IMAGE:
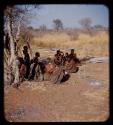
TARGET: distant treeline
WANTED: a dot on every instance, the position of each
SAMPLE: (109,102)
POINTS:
(72,32)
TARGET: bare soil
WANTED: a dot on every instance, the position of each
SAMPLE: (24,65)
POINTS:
(74,100)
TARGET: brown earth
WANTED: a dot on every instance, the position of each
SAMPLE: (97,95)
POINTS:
(73,100)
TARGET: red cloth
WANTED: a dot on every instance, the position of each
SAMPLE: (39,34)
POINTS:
(50,68)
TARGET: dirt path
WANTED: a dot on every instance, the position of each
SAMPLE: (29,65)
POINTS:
(75,100)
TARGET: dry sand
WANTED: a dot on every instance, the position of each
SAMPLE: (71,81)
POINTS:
(74,100)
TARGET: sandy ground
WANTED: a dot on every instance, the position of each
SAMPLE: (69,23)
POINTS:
(78,99)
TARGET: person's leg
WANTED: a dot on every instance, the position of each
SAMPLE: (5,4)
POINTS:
(27,71)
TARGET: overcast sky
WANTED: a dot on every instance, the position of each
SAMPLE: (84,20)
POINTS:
(70,14)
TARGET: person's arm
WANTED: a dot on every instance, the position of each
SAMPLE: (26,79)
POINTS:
(56,61)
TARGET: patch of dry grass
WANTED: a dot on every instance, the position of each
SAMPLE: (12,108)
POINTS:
(85,44)
(51,40)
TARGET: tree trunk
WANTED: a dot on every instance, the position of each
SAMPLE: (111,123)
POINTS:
(12,62)
(17,38)
(18,31)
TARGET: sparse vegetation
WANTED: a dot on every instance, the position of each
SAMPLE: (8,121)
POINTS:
(85,44)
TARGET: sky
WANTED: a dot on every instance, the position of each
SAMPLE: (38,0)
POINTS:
(70,14)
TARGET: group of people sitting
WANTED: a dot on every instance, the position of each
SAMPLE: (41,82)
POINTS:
(61,59)
(28,67)
(26,63)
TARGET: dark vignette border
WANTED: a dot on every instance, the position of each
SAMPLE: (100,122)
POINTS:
(107,3)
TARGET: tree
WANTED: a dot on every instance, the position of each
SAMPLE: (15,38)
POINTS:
(85,22)
(30,28)
(14,17)
(58,24)
(19,16)
(99,26)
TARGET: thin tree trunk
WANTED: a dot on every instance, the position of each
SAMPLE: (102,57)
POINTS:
(18,31)
(18,36)
(12,62)
(12,58)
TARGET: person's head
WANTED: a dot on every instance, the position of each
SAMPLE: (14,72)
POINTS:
(37,54)
(66,54)
(72,51)
(25,48)
(24,52)
(58,51)
(62,54)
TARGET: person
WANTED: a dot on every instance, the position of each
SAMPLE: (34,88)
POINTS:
(58,52)
(34,63)
(73,56)
(26,61)
(66,57)
(26,44)
(35,59)
(62,58)
(58,58)
(25,48)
